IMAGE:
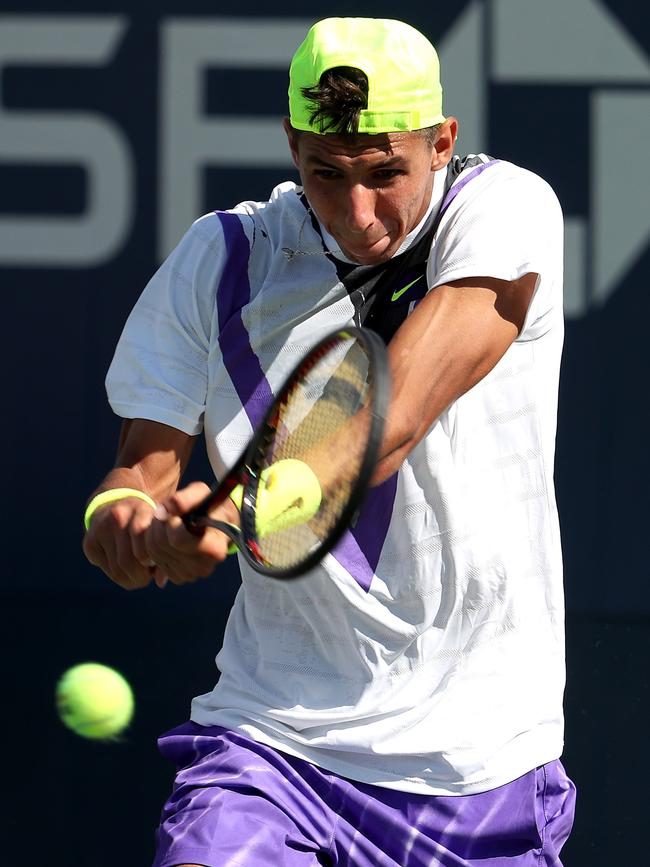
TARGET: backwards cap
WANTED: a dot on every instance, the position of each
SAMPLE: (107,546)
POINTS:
(402,67)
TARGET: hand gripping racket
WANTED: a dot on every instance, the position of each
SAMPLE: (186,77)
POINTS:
(302,478)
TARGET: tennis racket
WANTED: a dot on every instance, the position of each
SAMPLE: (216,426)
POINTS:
(301,480)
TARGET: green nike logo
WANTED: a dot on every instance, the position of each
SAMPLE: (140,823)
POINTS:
(399,292)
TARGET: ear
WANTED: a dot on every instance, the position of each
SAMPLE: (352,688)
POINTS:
(443,149)
(292,138)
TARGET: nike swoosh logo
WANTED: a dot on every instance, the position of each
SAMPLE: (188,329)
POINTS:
(399,292)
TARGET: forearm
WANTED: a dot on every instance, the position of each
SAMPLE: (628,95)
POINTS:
(449,343)
(151,457)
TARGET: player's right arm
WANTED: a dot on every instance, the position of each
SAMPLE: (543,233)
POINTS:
(160,369)
(123,539)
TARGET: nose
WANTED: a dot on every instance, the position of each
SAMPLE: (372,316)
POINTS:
(360,209)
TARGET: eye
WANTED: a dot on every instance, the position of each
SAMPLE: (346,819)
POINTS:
(388,174)
(326,174)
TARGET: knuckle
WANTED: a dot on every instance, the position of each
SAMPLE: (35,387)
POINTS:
(140,522)
(118,514)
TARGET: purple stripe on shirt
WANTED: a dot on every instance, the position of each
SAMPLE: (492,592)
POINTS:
(233,293)
(456,188)
(360,547)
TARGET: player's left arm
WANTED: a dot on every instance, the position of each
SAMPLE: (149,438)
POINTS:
(453,338)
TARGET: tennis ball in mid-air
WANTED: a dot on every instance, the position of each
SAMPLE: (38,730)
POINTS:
(95,701)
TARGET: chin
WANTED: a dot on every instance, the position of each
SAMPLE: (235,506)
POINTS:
(372,255)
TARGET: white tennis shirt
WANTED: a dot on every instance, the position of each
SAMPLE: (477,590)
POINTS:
(426,653)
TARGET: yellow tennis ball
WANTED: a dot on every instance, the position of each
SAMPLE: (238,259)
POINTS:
(95,701)
(289,494)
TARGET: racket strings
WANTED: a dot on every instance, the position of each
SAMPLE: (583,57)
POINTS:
(323,422)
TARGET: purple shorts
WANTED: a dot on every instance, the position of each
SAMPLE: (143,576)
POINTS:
(238,803)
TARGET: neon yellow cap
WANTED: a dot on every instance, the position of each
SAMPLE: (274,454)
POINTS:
(402,67)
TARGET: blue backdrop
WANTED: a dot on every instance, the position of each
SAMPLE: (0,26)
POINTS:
(119,124)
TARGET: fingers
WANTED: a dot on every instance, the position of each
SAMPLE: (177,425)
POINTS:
(179,554)
(137,527)
(134,545)
(185,499)
(115,542)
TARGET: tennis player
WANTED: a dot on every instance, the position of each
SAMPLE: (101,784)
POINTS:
(401,704)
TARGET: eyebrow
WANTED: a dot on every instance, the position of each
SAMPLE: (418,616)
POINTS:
(388,163)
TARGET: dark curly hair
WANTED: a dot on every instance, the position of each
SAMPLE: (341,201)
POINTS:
(338,99)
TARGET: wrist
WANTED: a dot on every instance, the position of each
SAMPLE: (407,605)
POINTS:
(105,498)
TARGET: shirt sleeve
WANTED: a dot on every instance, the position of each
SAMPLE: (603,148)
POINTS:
(506,223)
(160,368)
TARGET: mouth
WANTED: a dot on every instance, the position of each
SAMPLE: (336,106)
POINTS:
(364,252)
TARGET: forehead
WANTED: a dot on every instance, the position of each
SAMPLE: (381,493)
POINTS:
(361,147)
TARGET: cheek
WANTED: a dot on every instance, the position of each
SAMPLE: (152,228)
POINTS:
(399,211)
(323,202)
(414,203)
